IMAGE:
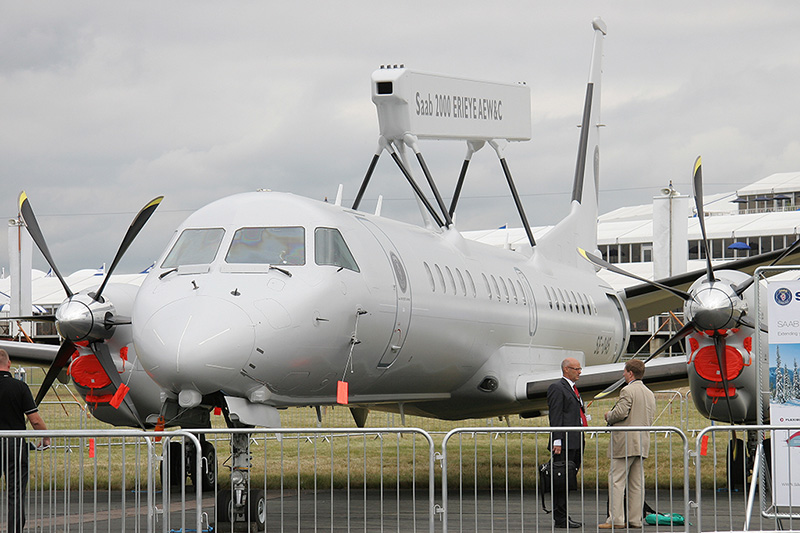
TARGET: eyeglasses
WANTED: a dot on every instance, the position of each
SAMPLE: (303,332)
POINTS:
(577,368)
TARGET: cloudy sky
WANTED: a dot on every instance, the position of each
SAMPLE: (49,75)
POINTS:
(105,105)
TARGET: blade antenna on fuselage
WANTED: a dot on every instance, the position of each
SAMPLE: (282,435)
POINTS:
(507,172)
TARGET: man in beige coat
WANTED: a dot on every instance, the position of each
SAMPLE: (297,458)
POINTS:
(636,407)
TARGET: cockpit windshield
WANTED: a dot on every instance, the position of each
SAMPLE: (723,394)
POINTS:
(194,247)
(330,249)
(270,246)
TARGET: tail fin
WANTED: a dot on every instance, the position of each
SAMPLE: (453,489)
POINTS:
(579,228)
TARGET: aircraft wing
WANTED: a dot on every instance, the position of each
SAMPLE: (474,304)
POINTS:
(30,353)
(645,300)
(660,374)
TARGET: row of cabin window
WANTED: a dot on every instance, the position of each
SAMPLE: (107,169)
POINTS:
(570,301)
(445,281)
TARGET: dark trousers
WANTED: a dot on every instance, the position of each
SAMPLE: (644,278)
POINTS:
(560,498)
(14,466)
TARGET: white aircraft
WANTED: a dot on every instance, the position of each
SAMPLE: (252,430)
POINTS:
(266,300)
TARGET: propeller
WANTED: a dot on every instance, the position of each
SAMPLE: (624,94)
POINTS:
(26,212)
(62,359)
(83,317)
(136,226)
(711,307)
(697,184)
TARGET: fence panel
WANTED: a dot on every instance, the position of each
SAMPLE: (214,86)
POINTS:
(490,478)
(91,481)
(377,479)
(743,500)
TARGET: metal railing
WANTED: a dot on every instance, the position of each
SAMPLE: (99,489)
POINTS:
(508,495)
(90,478)
(381,479)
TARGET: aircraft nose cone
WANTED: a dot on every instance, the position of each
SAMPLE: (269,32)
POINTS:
(198,343)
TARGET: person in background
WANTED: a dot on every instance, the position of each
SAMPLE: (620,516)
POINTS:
(17,403)
(566,409)
(636,407)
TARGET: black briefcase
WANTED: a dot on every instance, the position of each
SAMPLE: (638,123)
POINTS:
(558,476)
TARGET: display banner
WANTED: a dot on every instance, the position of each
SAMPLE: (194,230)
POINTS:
(784,383)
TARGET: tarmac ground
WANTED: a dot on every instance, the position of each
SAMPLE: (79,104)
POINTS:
(384,510)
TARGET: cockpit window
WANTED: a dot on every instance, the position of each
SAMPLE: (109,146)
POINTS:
(269,246)
(330,249)
(194,247)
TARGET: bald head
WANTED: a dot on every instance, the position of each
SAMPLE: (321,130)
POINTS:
(5,362)
(571,369)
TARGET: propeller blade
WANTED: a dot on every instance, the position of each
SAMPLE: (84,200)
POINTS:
(787,252)
(133,230)
(32,318)
(599,261)
(103,355)
(672,341)
(744,321)
(61,360)
(26,211)
(697,182)
(617,384)
(117,320)
(683,332)
(719,347)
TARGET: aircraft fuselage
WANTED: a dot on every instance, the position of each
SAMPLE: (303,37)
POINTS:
(275,298)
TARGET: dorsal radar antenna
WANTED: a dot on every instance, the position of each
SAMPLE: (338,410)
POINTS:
(415,105)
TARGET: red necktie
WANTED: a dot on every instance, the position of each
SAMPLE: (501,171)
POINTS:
(583,415)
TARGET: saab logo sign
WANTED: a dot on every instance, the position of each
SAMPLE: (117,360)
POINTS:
(783,296)
(784,319)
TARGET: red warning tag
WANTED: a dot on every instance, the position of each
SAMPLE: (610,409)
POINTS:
(91,448)
(704,445)
(116,400)
(160,426)
(341,392)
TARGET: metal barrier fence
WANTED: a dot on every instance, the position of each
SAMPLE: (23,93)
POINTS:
(505,491)
(376,480)
(778,504)
(89,480)
(325,479)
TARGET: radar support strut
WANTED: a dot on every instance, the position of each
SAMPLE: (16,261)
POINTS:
(513,188)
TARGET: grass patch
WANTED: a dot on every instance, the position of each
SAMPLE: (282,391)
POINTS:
(476,460)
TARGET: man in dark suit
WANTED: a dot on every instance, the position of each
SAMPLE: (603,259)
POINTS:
(566,409)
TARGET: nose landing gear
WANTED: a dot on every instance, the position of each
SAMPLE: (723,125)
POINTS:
(180,463)
(241,503)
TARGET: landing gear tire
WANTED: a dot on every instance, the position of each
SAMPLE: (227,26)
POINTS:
(224,506)
(256,504)
(176,473)
(208,468)
(258,509)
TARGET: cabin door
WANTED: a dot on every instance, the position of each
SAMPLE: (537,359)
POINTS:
(402,286)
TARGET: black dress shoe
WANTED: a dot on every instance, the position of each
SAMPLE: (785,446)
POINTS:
(570,523)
